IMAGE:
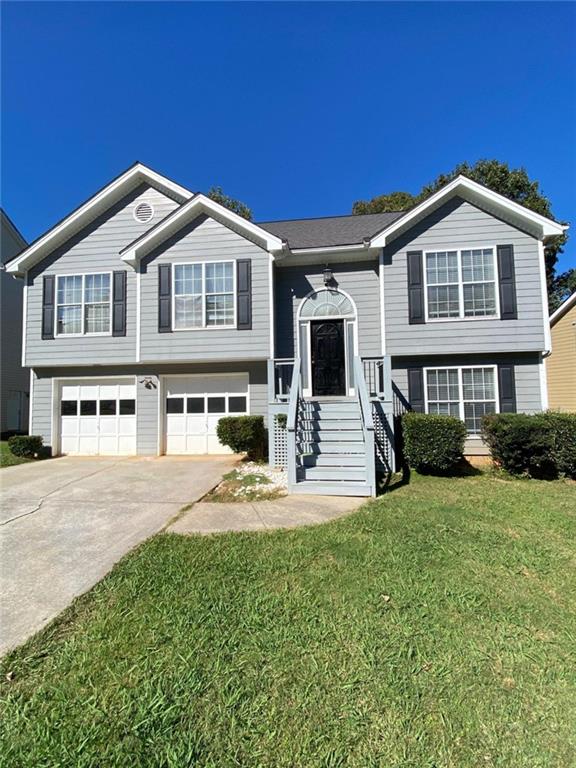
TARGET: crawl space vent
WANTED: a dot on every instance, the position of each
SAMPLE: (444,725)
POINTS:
(143,212)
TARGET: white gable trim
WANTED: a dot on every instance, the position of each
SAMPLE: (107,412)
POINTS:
(474,192)
(95,206)
(562,309)
(182,216)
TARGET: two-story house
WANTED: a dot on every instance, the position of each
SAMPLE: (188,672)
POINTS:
(152,311)
(14,402)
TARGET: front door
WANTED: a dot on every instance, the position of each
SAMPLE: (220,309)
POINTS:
(328,357)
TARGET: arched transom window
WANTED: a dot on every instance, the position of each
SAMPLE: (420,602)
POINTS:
(326,303)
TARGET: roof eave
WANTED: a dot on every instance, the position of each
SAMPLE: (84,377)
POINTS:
(187,213)
(87,211)
(559,313)
(462,185)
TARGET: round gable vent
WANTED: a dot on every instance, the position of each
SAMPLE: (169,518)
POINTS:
(143,212)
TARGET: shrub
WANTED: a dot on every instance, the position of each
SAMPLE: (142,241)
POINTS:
(281,420)
(541,445)
(25,446)
(433,444)
(564,448)
(243,434)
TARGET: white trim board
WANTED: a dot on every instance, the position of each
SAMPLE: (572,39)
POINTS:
(93,207)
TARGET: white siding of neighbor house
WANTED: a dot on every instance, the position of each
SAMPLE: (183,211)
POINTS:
(95,249)
(206,240)
(458,224)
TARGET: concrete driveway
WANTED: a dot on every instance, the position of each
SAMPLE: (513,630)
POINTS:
(65,522)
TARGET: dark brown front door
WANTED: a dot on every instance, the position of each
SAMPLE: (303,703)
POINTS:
(328,358)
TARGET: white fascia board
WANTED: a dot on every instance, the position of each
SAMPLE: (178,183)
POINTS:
(89,210)
(187,213)
(563,308)
(461,184)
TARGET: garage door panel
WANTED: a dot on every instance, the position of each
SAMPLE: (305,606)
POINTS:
(97,429)
(205,400)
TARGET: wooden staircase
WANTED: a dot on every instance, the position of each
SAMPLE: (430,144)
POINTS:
(331,450)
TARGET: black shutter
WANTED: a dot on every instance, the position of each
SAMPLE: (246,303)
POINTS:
(48,307)
(507,387)
(164,298)
(119,303)
(507,281)
(415,288)
(244,294)
(416,389)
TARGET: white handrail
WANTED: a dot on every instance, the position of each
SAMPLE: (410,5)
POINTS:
(367,424)
(291,422)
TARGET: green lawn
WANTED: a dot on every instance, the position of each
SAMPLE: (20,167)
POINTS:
(7,459)
(435,627)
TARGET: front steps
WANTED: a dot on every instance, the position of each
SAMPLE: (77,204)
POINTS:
(331,455)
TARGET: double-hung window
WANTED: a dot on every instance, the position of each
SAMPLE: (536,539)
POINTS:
(461,284)
(83,304)
(204,295)
(467,393)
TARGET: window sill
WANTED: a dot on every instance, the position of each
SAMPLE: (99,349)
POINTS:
(81,335)
(430,320)
(207,328)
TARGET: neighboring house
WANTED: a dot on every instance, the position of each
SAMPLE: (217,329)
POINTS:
(561,365)
(14,378)
(153,311)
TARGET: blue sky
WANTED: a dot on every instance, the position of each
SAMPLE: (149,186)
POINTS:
(296,108)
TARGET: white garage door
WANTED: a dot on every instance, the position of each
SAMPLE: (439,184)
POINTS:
(98,417)
(195,404)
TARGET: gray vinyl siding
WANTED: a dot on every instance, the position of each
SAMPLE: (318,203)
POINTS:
(206,240)
(13,377)
(147,397)
(526,371)
(359,280)
(95,249)
(458,224)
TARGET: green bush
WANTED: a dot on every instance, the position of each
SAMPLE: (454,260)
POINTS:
(564,451)
(243,434)
(25,446)
(541,445)
(281,420)
(433,444)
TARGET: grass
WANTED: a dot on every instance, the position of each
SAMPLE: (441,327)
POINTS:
(7,458)
(434,628)
(238,487)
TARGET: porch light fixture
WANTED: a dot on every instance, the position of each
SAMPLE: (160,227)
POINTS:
(327,275)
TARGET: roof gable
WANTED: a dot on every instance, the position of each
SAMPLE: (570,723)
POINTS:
(476,194)
(184,215)
(94,207)
(562,309)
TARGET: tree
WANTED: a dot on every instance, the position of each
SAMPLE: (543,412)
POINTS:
(218,195)
(395,201)
(513,183)
(563,286)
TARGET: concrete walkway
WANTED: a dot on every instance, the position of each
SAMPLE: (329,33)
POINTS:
(287,512)
(65,522)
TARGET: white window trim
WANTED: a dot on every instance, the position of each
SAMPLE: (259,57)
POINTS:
(460,368)
(83,275)
(461,317)
(204,326)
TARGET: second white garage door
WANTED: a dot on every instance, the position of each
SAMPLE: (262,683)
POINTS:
(195,404)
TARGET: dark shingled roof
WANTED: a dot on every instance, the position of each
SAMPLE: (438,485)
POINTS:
(331,230)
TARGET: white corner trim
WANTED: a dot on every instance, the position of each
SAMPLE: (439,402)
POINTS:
(543,384)
(462,184)
(138,314)
(186,213)
(31,402)
(544,298)
(272,307)
(382,307)
(92,207)
(24,319)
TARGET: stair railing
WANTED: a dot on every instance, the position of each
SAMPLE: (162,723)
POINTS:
(367,423)
(292,420)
